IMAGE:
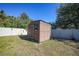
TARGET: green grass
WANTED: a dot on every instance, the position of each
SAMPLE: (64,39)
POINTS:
(16,46)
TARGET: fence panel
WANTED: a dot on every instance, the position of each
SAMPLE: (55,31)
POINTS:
(76,34)
(12,31)
(62,33)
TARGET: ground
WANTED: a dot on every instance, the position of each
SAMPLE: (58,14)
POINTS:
(17,46)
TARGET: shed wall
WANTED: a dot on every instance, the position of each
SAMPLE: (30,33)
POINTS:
(31,31)
(45,31)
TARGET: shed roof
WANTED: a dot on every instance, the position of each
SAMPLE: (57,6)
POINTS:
(42,21)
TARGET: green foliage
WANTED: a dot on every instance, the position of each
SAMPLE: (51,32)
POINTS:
(53,24)
(2,14)
(68,16)
(24,20)
(24,16)
(12,21)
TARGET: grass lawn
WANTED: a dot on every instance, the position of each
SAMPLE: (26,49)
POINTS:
(16,46)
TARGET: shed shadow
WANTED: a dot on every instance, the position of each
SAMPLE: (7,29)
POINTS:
(27,38)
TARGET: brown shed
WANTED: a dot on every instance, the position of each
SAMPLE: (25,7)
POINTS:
(39,30)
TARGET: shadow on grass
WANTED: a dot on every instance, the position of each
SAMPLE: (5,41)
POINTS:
(26,37)
(69,41)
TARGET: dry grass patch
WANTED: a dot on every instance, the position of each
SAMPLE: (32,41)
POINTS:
(14,45)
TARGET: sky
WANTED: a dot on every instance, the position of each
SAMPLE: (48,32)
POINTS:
(36,11)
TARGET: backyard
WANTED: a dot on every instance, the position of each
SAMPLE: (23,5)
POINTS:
(18,46)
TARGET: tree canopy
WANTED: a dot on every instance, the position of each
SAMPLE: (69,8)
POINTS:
(11,21)
(68,16)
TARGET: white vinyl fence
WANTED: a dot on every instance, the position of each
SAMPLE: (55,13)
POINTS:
(65,33)
(56,33)
(12,31)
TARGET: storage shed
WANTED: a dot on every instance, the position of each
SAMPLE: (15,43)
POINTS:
(39,30)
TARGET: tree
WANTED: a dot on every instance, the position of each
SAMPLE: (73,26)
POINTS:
(68,16)
(2,14)
(24,20)
(2,18)
(12,21)
(24,16)
(53,24)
